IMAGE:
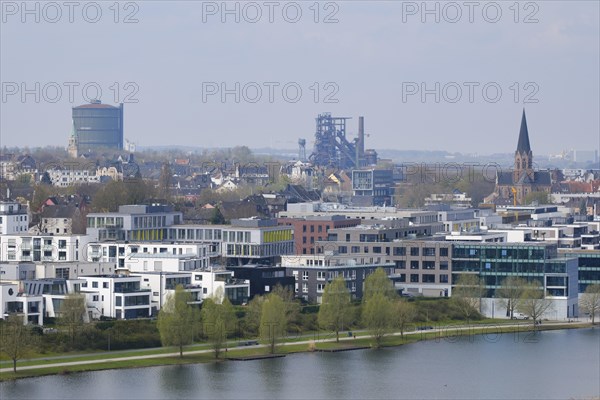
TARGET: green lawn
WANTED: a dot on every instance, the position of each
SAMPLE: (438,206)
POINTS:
(362,340)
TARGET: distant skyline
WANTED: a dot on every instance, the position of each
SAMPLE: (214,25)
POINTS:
(375,61)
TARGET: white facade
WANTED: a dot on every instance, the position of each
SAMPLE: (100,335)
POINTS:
(40,248)
(69,177)
(218,282)
(163,284)
(133,222)
(119,296)
(128,255)
(244,238)
(163,262)
(14,300)
(13,218)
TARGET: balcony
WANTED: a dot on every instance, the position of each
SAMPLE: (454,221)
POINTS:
(131,290)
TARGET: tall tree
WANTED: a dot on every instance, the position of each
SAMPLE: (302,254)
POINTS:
(510,292)
(218,320)
(404,313)
(273,320)
(590,301)
(467,294)
(251,321)
(378,316)
(335,311)
(16,339)
(164,181)
(72,315)
(292,307)
(378,282)
(534,302)
(176,318)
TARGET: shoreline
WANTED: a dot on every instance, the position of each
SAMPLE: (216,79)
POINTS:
(394,339)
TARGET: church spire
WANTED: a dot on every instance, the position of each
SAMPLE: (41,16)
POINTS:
(523,145)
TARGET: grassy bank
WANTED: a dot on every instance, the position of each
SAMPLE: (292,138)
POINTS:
(202,353)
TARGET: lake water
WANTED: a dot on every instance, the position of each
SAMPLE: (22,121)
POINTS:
(551,365)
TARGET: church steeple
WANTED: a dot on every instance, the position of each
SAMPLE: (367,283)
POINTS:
(523,145)
(523,155)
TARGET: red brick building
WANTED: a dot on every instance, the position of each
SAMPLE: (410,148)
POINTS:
(309,230)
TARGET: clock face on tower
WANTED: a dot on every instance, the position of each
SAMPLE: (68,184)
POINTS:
(10,292)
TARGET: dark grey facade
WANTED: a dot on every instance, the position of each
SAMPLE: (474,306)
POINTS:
(310,280)
(98,126)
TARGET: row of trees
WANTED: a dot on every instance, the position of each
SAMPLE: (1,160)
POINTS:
(270,317)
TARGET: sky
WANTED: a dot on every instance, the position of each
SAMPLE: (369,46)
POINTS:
(451,76)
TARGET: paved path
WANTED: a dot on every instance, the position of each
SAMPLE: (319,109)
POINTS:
(444,329)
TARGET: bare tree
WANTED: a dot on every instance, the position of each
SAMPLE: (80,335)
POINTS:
(533,302)
(467,295)
(510,293)
(590,301)
(72,314)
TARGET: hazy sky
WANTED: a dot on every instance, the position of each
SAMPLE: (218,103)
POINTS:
(420,83)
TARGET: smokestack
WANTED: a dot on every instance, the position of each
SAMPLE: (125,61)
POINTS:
(360,148)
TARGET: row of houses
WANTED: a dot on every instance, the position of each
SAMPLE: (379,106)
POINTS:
(424,252)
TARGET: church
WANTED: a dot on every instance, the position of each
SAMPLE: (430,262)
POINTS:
(522,180)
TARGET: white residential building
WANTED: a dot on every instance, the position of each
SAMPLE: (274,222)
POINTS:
(41,248)
(217,282)
(246,239)
(163,262)
(14,300)
(122,253)
(133,222)
(163,284)
(119,296)
(13,218)
(64,177)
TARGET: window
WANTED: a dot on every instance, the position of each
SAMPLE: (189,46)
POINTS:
(443,252)
(198,277)
(429,251)
(414,265)
(414,251)
(105,285)
(399,251)
(414,278)
(118,301)
(320,287)
(444,278)
(95,297)
(428,278)
(428,264)
(320,275)
(304,287)
(444,264)
(94,284)
(304,275)
(355,249)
